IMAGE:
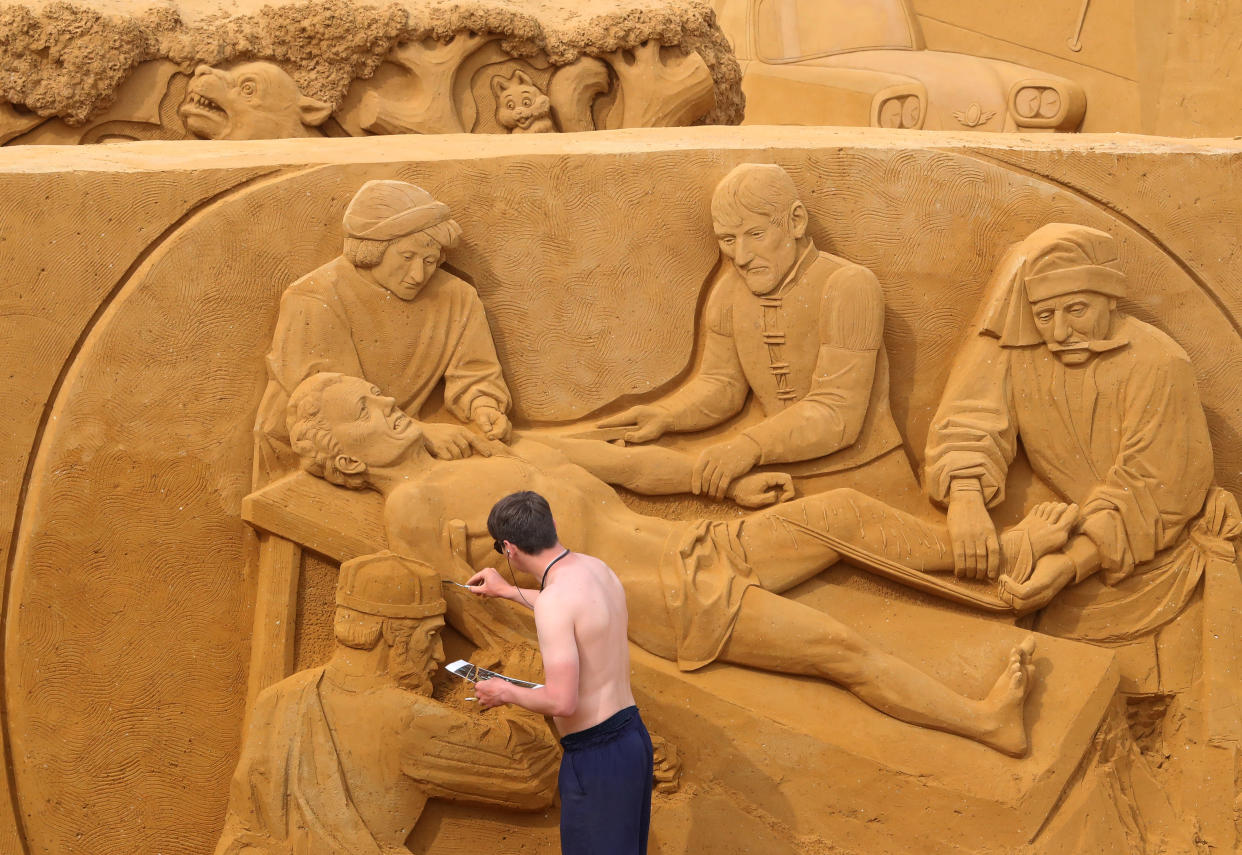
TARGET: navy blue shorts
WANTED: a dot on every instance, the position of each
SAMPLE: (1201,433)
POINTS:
(605,785)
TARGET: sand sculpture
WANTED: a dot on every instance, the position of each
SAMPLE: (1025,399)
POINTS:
(877,438)
(351,68)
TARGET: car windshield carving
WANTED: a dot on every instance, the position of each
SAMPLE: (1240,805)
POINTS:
(793,30)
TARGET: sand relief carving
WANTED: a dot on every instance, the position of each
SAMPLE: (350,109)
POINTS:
(385,310)
(698,591)
(1053,362)
(344,757)
(1108,413)
(249,101)
(395,70)
(799,329)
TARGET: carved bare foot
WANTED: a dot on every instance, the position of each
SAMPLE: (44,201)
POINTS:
(1003,727)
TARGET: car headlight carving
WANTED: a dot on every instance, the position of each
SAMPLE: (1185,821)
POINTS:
(898,108)
(1043,104)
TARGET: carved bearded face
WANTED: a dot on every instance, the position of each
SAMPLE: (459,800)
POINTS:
(369,427)
(1070,322)
(417,655)
(762,252)
(407,264)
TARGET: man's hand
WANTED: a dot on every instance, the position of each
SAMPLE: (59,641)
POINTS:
(650,422)
(492,693)
(720,464)
(493,423)
(976,551)
(489,583)
(453,442)
(1052,573)
(761,489)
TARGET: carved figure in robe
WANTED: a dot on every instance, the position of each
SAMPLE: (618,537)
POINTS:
(342,759)
(1109,416)
(698,591)
(385,310)
(802,330)
(249,101)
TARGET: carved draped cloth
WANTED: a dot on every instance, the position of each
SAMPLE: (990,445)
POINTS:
(333,319)
(812,351)
(289,795)
(1124,436)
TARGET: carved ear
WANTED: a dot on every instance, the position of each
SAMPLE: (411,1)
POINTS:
(499,84)
(522,77)
(349,465)
(314,112)
(797,220)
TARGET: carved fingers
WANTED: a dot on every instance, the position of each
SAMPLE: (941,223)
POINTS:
(1052,573)
(976,550)
(649,422)
(493,423)
(761,489)
(719,465)
(452,442)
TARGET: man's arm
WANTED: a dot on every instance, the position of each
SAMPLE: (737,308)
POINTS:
(474,385)
(558,645)
(498,760)
(715,393)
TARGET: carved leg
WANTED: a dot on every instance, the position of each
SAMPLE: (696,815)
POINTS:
(659,87)
(275,614)
(427,104)
(781,635)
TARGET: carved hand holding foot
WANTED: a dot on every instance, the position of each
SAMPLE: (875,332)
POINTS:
(1052,573)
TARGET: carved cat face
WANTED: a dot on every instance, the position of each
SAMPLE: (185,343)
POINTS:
(520,105)
(250,101)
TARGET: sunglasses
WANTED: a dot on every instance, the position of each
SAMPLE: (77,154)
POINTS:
(498,545)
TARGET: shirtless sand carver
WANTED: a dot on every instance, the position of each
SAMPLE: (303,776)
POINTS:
(697,591)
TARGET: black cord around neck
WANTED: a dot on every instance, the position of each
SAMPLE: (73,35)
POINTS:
(543,579)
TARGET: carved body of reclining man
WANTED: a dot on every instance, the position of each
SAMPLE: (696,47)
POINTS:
(346,432)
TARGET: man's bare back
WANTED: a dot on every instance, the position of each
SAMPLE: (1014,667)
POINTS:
(586,591)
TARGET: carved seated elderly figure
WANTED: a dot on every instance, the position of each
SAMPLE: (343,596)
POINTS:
(385,310)
(342,759)
(1109,416)
(697,591)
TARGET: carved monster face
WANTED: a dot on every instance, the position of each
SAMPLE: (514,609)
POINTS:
(1071,322)
(250,101)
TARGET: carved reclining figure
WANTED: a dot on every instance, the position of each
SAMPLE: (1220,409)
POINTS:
(698,591)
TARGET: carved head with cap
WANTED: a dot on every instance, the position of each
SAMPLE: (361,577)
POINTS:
(396,234)
(1059,288)
(760,224)
(399,601)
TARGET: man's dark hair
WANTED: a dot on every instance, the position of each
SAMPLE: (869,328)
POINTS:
(525,520)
